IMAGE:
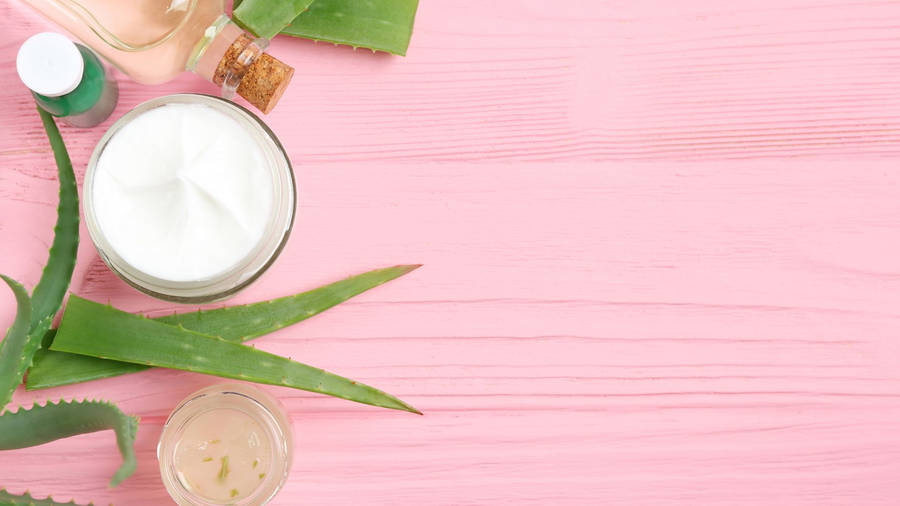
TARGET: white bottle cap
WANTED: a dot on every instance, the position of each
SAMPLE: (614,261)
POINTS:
(50,64)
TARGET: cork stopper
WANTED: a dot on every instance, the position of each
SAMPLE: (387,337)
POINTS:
(258,77)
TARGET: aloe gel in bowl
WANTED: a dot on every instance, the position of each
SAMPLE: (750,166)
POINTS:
(226,444)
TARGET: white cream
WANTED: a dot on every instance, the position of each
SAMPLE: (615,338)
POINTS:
(183,192)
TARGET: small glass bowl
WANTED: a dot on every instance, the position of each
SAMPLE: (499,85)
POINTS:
(264,409)
(256,262)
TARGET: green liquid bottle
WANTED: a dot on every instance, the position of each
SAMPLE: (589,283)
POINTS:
(67,80)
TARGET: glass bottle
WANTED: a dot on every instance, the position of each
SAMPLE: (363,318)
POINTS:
(153,41)
(67,80)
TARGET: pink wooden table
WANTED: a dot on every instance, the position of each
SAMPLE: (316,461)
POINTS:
(661,244)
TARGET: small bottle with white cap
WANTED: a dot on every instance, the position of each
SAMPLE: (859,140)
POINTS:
(67,80)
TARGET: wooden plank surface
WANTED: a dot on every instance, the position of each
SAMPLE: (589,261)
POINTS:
(661,245)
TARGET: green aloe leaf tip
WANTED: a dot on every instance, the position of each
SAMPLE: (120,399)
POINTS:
(26,499)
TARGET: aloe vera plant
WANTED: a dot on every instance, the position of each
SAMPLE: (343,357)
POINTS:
(17,351)
(236,324)
(140,340)
(44,423)
(34,315)
(379,25)
(8,499)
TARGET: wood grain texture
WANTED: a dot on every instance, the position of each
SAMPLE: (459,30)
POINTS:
(661,245)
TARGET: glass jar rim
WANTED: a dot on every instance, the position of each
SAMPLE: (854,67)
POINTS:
(248,269)
(255,403)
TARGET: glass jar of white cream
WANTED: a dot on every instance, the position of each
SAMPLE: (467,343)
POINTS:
(226,444)
(189,198)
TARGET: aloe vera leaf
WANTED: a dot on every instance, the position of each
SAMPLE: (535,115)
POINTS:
(13,345)
(8,499)
(51,289)
(236,323)
(265,18)
(245,322)
(379,25)
(41,424)
(52,421)
(56,368)
(382,25)
(97,330)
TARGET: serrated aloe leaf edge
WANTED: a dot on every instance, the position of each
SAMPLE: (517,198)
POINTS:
(137,339)
(44,423)
(10,499)
(236,324)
